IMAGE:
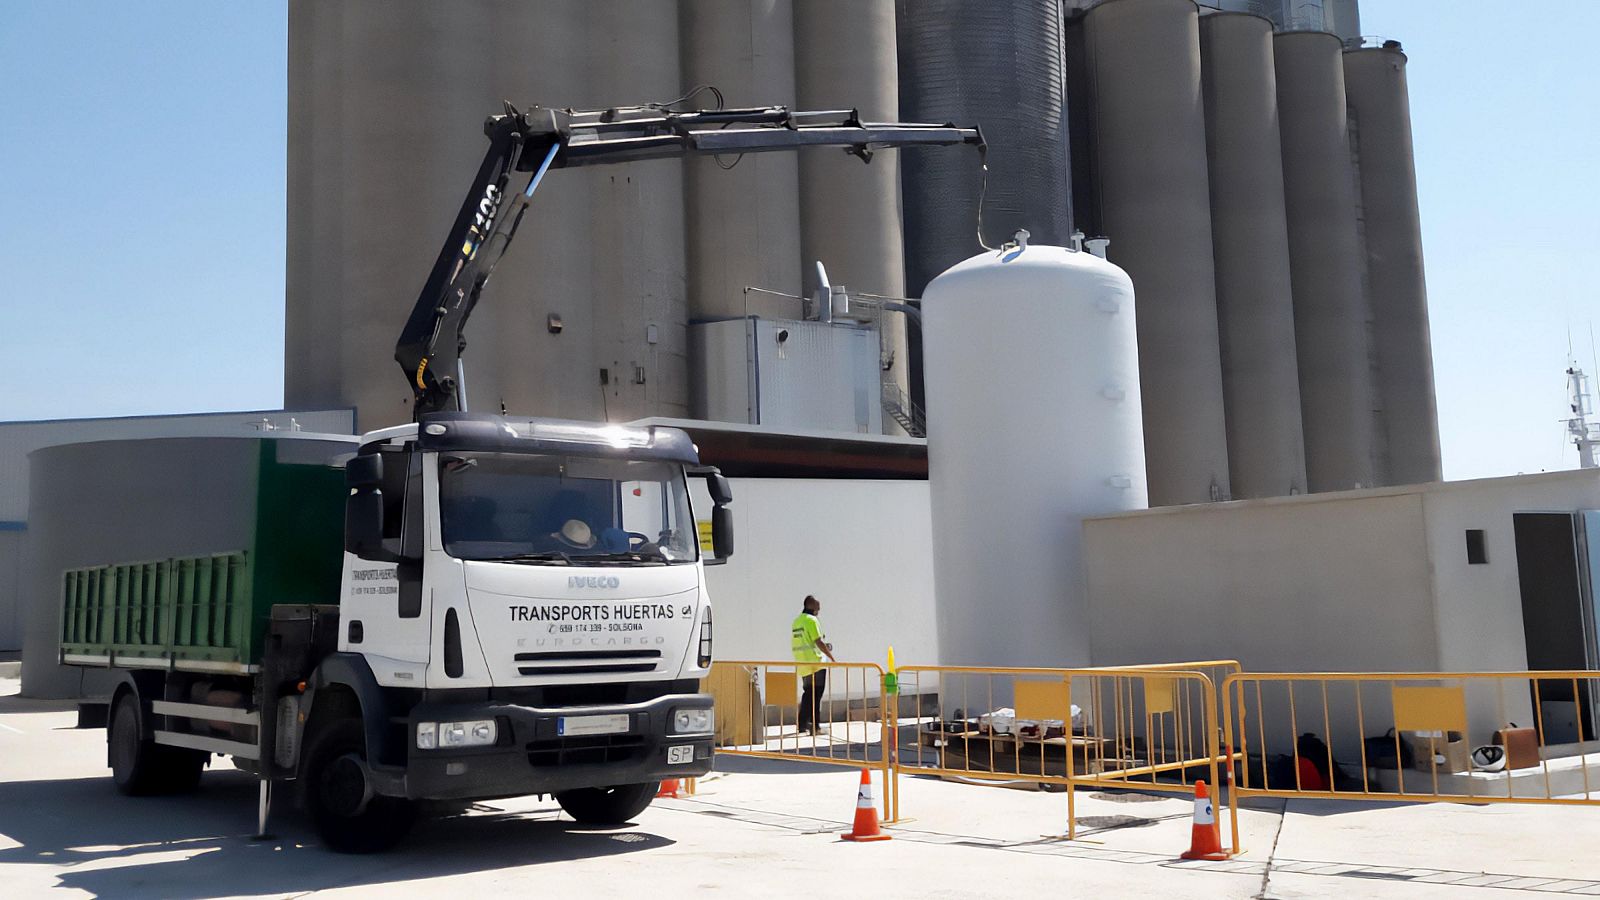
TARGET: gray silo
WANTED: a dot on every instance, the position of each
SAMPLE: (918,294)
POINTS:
(1325,256)
(850,212)
(1375,80)
(742,216)
(387,106)
(371,192)
(538,56)
(1153,193)
(640,281)
(999,66)
(1250,246)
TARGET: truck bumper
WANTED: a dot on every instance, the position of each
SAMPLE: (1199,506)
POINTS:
(538,751)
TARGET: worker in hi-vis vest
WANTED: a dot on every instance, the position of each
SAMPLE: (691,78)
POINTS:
(809,648)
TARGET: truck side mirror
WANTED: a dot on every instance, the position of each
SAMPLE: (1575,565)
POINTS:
(365,470)
(721,535)
(717,485)
(721,516)
(363,509)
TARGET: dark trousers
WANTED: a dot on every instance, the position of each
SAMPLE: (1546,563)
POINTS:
(815,685)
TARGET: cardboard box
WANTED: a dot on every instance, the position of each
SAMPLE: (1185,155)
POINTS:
(1446,751)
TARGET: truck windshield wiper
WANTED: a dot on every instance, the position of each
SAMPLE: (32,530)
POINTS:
(625,556)
(545,556)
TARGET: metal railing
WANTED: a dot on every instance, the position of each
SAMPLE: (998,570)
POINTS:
(760,714)
(1149,729)
(1412,736)
(1394,736)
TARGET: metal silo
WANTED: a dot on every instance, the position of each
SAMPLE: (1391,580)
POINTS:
(1379,102)
(1325,255)
(743,217)
(850,213)
(1154,198)
(1250,246)
(1010,335)
(999,66)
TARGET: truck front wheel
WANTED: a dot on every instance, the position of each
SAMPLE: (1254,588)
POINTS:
(348,816)
(607,806)
(139,766)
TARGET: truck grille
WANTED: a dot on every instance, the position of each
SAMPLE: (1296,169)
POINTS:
(608,663)
(597,748)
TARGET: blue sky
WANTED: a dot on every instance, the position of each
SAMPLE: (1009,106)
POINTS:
(142,210)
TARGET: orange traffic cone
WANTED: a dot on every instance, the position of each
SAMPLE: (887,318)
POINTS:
(866,824)
(669,788)
(1205,842)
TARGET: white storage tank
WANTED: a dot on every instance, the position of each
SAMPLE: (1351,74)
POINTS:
(1032,374)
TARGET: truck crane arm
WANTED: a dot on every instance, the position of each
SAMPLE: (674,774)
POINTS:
(524,145)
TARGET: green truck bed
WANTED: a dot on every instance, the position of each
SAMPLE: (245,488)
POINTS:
(209,611)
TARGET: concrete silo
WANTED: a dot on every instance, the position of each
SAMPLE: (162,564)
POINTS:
(1153,194)
(1375,80)
(742,217)
(1250,246)
(1325,257)
(849,212)
(538,55)
(387,106)
(640,282)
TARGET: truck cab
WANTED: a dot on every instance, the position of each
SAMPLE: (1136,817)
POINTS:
(524,603)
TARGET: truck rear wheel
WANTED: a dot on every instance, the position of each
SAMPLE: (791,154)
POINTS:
(607,806)
(348,816)
(140,766)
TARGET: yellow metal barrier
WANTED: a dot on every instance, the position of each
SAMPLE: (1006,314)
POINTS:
(760,710)
(1151,729)
(1411,735)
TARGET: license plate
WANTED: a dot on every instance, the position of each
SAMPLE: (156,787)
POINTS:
(677,756)
(571,725)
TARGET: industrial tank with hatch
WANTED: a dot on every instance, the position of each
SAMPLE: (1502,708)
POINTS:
(1032,373)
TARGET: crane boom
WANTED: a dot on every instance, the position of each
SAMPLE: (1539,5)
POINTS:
(527,144)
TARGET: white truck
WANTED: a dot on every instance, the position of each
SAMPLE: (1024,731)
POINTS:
(517,606)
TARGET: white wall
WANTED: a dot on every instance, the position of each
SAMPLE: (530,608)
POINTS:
(1479,607)
(862,547)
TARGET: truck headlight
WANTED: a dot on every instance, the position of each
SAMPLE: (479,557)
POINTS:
(433,735)
(692,721)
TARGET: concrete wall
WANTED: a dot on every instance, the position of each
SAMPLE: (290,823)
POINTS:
(1283,584)
(862,547)
(1372,580)
(13,545)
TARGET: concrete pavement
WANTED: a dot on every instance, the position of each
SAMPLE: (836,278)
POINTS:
(767,829)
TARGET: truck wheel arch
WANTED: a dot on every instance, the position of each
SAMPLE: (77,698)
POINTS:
(145,685)
(343,685)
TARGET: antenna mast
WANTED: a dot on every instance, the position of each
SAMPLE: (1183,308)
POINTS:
(1585,434)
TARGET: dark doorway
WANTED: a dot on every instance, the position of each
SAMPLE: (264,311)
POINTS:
(1552,570)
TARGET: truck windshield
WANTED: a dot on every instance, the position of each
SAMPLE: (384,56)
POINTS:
(564,510)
